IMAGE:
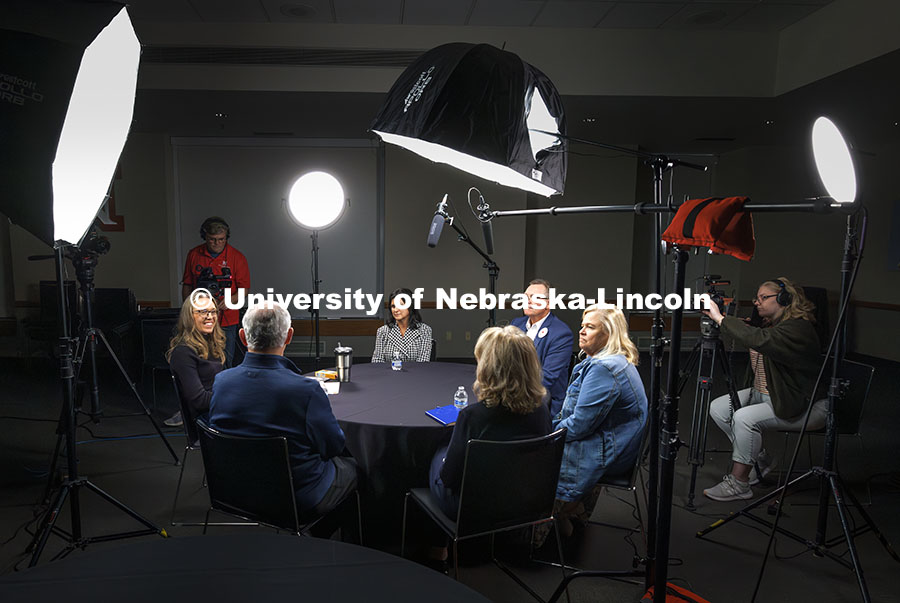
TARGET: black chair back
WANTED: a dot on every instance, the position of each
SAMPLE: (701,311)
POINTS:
(508,484)
(114,308)
(155,336)
(848,410)
(249,477)
(433,353)
(189,421)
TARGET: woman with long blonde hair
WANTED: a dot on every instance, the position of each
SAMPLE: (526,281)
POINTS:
(196,355)
(784,359)
(604,412)
(510,406)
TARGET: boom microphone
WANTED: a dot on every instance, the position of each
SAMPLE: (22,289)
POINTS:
(437,223)
(487,229)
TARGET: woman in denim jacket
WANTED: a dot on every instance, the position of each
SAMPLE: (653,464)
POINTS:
(605,412)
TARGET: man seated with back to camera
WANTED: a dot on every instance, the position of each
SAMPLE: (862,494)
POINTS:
(221,260)
(784,361)
(552,339)
(266,395)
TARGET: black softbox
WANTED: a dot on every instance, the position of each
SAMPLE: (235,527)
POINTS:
(68,73)
(479,108)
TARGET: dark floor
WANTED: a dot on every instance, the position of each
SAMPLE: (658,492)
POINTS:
(136,468)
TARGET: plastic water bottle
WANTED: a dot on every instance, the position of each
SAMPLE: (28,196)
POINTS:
(460,398)
(397,362)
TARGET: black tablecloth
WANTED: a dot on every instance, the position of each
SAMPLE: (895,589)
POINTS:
(382,413)
(233,567)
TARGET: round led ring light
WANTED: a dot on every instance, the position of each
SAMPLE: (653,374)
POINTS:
(316,200)
(833,161)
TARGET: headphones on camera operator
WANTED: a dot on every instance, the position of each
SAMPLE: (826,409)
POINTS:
(207,278)
(784,297)
(214,220)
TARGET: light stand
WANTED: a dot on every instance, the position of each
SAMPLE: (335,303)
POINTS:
(315,307)
(71,487)
(63,134)
(316,201)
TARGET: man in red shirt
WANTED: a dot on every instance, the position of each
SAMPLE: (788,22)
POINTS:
(215,253)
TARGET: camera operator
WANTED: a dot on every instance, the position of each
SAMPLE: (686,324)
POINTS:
(784,360)
(215,265)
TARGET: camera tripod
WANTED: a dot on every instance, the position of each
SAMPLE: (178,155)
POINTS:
(86,343)
(71,487)
(706,351)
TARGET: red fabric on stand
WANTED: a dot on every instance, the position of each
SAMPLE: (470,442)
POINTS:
(718,223)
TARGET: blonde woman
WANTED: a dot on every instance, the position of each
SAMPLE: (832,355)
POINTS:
(510,407)
(605,412)
(784,359)
(196,355)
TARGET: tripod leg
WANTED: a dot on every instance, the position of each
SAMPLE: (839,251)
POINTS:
(874,528)
(837,492)
(40,536)
(136,394)
(751,506)
(126,509)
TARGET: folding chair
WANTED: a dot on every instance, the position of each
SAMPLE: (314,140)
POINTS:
(505,486)
(848,412)
(250,478)
(191,444)
(155,336)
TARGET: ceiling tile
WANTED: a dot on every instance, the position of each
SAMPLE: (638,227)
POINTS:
(236,11)
(428,12)
(369,12)
(298,11)
(505,13)
(162,10)
(635,15)
(707,15)
(814,2)
(772,17)
(572,13)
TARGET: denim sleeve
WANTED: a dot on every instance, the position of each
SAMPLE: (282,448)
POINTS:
(599,392)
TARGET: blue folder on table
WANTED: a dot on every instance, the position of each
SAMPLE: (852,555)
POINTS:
(445,415)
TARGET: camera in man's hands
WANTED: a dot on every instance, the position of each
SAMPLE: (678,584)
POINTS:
(215,283)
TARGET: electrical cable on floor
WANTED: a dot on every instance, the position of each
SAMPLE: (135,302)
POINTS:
(37,420)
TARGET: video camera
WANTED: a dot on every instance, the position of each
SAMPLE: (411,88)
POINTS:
(711,282)
(215,283)
(708,328)
(84,257)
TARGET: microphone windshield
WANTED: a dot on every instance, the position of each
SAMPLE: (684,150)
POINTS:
(434,233)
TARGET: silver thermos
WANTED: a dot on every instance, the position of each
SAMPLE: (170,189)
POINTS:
(343,360)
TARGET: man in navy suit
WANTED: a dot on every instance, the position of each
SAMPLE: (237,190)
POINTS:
(267,396)
(552,340)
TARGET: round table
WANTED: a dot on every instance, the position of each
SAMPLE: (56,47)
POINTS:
(233,567)
(382,413)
